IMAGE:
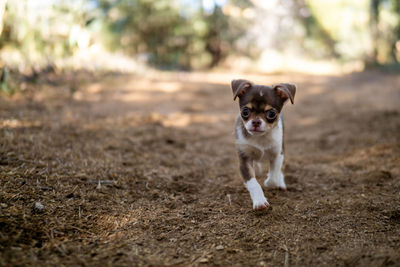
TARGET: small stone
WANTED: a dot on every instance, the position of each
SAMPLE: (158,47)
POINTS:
(38,207)
(3,205)
(220,247)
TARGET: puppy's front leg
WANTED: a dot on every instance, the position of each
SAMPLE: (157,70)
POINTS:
(275,178)
(254,188)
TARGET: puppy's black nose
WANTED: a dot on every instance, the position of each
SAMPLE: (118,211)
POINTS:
(256,123)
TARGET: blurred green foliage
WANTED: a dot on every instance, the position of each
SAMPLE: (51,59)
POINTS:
(37,34)
(166,34)
(197,34)
(365,29)
(171,34)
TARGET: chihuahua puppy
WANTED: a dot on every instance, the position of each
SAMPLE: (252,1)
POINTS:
(259,134)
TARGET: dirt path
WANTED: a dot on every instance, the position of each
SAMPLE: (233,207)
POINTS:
(172,194)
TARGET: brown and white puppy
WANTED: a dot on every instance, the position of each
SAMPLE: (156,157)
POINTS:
(259,134)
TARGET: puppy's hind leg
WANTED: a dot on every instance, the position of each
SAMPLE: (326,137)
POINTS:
(275,178)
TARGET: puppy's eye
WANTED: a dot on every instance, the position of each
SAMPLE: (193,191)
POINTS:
(245,112)
(271,114)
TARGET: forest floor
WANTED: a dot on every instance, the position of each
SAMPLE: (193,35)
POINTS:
(142,170)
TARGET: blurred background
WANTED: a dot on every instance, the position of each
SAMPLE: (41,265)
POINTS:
(117,144)
(247,35)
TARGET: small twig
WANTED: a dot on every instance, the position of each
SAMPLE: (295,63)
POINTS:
(286,263)
(101,181)
(229,199)
(79,229)
(73,190)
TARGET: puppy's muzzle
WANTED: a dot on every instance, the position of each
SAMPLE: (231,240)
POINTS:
(256,126)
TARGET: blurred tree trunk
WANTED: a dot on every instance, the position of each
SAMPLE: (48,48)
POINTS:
(214,48)
(216,25)
(374,22)
(213,40)
(2,12)
(395,53)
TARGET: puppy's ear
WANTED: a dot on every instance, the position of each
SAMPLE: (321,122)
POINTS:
(239,87)
(285,91)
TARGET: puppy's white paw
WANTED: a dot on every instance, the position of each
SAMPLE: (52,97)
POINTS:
(260,204)
(257,195)
(275,181)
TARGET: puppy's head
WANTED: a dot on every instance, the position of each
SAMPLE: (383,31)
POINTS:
(260,106)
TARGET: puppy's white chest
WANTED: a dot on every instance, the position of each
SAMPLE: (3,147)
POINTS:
(260,147)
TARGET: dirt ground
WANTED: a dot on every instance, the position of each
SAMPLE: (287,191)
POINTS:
(142,170)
